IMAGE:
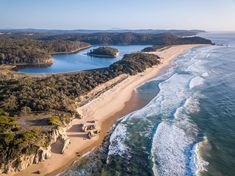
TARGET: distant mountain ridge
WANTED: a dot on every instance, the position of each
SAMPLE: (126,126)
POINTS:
(129,38)
(89,31)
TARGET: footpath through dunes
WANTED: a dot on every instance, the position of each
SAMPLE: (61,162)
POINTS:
(104,110)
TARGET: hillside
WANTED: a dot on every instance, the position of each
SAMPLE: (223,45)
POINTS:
(130,38)
(104,52)
(19,50)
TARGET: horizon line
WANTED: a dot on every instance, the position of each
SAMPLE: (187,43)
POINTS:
(114,29)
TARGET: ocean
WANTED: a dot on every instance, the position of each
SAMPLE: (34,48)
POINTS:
(188,127)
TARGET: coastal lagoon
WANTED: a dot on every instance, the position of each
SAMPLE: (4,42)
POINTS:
(65,63)
(186,129)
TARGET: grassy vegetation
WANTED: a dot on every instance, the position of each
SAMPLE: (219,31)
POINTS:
(59,120)
(54,120)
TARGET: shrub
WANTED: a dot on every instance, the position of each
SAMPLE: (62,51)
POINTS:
(54,120)
(7,124)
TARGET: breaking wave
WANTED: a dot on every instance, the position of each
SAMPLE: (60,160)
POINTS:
(117,147)
(200,164)
(197,81)
(169,145)
(174,141)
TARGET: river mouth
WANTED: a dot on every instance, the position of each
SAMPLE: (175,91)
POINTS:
(80,61)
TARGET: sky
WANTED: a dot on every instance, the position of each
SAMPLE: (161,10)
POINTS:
(210,15)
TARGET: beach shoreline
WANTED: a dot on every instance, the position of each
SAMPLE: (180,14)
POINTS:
(105,110)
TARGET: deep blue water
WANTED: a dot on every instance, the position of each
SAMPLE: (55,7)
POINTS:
(80,61)
(188,128)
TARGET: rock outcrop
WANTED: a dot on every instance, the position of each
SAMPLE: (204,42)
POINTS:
(93,133)
(26,160)
(42,153)
(90,129)
(60,134)
(86,128)
(66,143)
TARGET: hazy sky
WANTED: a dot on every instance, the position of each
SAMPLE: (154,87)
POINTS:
(112,14)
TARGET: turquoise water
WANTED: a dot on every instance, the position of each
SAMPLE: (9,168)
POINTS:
(187,129)
(80,61)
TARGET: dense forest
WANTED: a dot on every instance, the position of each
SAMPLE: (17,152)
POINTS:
(104,51)
(130,38)
(24,50)
(58,92)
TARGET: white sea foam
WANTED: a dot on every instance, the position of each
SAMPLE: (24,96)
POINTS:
(208,55)
(192,105)
(196,81)
(169,144)
(196,67)
(206,74)
(117,146)
(154,168)
(196,63)
(172,93)
(200,165)
(173,140)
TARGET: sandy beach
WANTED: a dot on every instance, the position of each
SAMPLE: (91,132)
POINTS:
(105,110)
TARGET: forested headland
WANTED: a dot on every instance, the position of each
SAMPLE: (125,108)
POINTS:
(28,51)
